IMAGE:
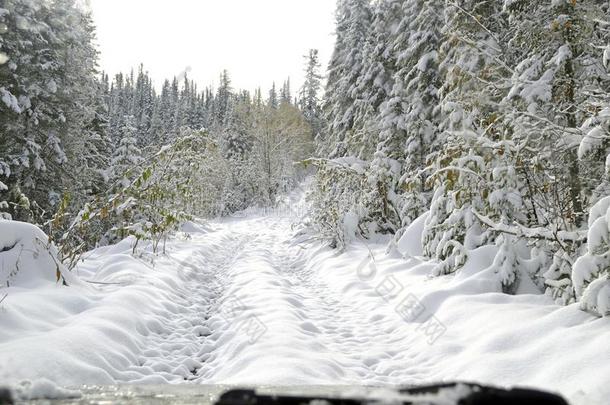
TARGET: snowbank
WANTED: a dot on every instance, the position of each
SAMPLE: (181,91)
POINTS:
(466,331)
(27,259)
(410,244)
(129,320)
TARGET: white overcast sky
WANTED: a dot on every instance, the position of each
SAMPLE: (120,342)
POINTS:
(258,41)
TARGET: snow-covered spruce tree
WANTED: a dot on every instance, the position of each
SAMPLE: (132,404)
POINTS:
(156,123)
(353,23)
(385,104)
(116,106)
(126,156)
(141,105)
(171,125)
(375,79)
(477,152)
(272,101)
(22,41)
(410,123)
(309,98)
(48,95)
(285,93)
(458,187)
(236,142)
(223,101)
(421,80)
(86,140)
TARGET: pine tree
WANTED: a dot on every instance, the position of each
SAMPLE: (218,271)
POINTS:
(380,116)
(286,93)
(49,95)
(272,101)
(353,24)
(309,102)
(223,101)
(126,156)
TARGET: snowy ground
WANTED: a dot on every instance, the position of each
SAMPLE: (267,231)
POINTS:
(245,301)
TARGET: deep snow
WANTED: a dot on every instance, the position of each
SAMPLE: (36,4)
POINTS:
(249,301)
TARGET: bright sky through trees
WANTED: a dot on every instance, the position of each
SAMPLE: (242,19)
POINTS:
(258,41)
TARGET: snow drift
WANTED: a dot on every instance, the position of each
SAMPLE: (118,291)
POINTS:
(27,258)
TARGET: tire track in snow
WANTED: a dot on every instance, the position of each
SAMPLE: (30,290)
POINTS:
(312,335)
(179,345)
(343,329)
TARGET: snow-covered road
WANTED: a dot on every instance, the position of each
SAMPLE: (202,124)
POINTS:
(246,301)
(294,328)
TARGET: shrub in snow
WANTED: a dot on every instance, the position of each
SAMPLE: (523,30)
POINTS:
(506,262)
(151,200)
(451,229)
(591,272)
(410,243)
(27,257)
(442,235)
(338,197)
(558,277)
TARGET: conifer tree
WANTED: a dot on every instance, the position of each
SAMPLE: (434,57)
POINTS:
(309,102)
(272,101)
(353,24)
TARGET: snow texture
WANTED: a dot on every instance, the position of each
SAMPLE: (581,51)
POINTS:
(246,301)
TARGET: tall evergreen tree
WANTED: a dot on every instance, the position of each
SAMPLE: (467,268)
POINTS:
(309,102)
(353,24)
(272,101)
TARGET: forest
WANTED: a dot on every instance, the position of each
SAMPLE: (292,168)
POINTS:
(489,118)
(491,124)
(93,159)
(432,205)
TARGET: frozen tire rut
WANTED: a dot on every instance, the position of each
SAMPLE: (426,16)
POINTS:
(180,338)
(278,322)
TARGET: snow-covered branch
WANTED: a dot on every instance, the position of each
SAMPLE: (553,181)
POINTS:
(538,233)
